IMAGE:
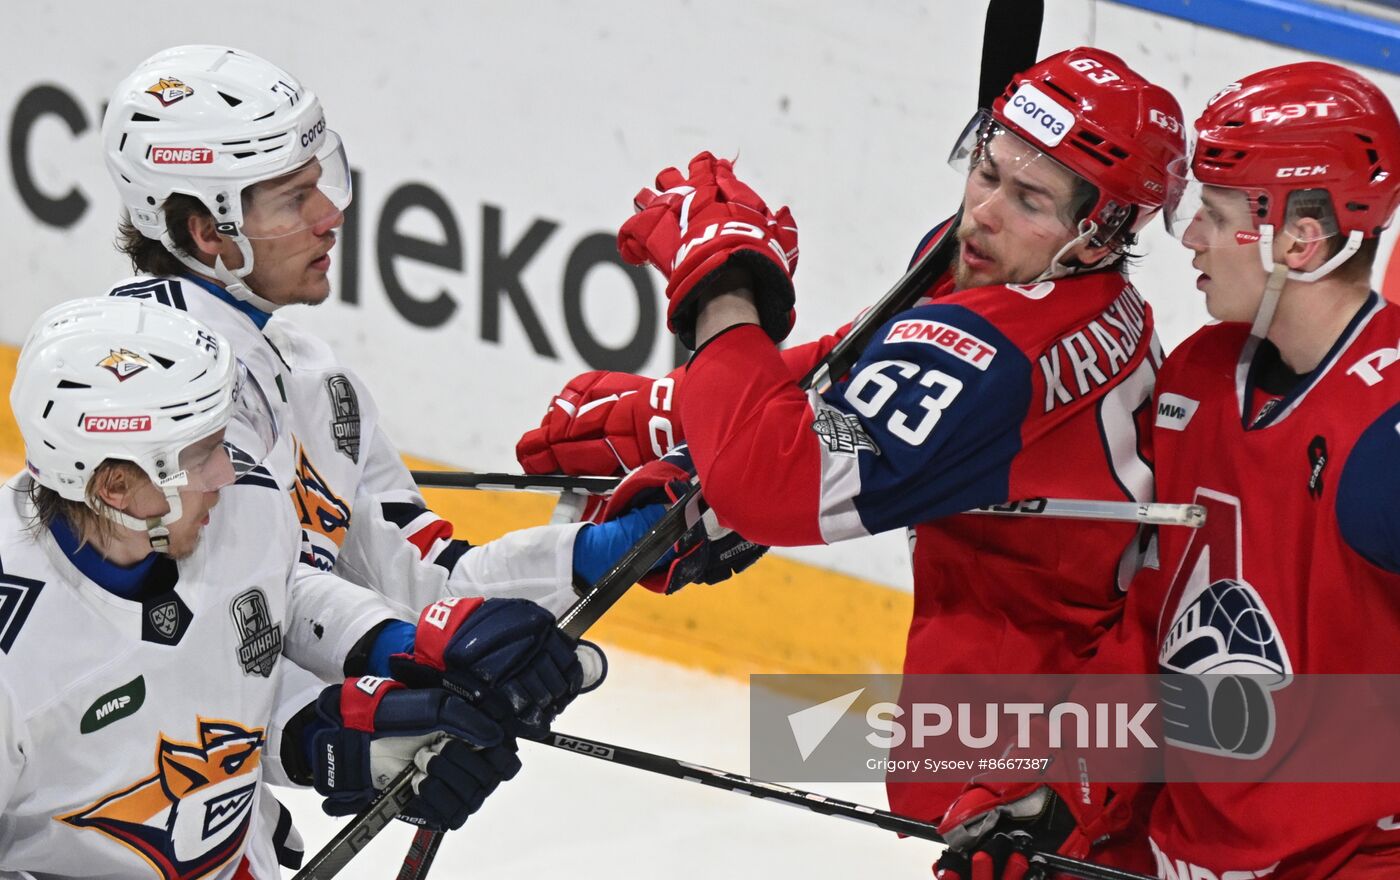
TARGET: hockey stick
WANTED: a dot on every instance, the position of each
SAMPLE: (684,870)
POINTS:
(807,800)
(335,855)
(1144,513)
(518,482)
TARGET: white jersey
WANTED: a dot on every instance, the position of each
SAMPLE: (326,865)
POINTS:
(363,515)
(134,734)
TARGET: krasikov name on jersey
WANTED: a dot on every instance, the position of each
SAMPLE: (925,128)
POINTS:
(1091,357)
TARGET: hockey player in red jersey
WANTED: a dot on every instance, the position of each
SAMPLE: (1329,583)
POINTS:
(1017,376)
(1282,421)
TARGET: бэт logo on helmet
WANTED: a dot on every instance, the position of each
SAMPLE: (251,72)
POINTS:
(168,91)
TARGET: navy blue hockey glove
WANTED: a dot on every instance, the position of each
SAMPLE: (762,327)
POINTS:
(505,656)
(707,553)
(368,729)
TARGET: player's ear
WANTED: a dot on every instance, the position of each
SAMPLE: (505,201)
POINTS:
(1304,246)
(204,234)
(1087,254)
(111,486)
(118,484)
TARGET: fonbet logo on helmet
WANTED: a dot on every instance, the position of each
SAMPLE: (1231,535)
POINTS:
(116,424)
(181,155)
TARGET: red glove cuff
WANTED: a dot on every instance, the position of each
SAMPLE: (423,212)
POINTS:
(436,626)
(360,699)
(654,476)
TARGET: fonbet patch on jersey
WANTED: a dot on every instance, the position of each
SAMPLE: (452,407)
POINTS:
(959,343)
(1038,115)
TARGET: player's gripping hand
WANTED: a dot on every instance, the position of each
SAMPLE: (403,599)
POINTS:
(505,656)
(994,829)
(707,221)
(603,423)
(707,552)
(368,729)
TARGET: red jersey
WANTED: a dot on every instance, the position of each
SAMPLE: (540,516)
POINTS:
(970,398)
(1295,572)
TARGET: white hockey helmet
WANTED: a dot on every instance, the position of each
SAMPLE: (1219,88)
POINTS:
(118,378)
(209,122)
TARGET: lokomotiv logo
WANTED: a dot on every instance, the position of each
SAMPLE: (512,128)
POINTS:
(116,424)
(181,155)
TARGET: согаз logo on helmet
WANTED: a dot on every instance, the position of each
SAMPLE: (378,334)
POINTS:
(313,132)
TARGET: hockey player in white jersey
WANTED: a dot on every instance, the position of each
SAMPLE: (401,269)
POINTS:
(149,588)
(234,187)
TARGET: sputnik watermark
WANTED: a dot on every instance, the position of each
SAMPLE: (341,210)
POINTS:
(1094,725)
(1212,727)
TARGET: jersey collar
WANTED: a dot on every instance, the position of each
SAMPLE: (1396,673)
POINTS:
(1250,368)
(255,314)
(119,580)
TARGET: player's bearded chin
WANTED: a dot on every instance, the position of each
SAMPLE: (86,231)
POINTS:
(962,276)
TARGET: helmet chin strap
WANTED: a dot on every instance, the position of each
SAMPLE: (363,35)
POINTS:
(1086,230)
(1280,274)
(232,279)
(156,527)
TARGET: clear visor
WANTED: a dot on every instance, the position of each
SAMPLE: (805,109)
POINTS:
(1204,215)
(313,195)
(1031,188)
(213,462)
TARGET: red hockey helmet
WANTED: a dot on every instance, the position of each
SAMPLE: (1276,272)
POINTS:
(1093,114)
(1304,127)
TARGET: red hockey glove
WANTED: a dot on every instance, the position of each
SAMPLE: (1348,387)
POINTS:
(707,552)
(994,828)
(604,423)
(703,222)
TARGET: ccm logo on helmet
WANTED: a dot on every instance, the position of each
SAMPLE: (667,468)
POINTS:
(116,424)
(1045,120)
(314,132)
(1282,112)
(1302,171)
(181,155)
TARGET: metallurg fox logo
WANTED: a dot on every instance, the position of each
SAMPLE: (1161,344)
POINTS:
(191,815)
(322,512)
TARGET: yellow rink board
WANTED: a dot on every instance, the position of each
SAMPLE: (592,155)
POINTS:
(779,616)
